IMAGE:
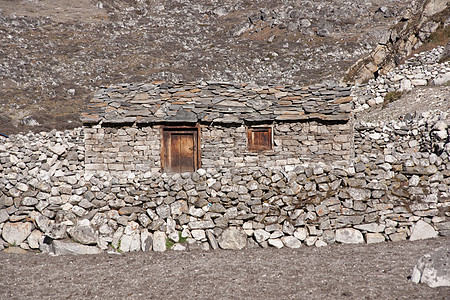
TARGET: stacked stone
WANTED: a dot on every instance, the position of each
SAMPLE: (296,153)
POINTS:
(294,143)
(127,150)
(218,102)
(309,123)
(425,133)
(40,172)
(120,150)
(393,196)
(421,70)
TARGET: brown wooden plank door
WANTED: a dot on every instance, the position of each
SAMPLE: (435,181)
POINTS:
(180,151)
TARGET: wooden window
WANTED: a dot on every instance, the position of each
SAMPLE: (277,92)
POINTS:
(180,149)
(259,138)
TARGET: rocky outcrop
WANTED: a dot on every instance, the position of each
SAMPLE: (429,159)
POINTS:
(413,30)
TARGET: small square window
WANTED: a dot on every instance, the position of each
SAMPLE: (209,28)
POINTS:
(259,138)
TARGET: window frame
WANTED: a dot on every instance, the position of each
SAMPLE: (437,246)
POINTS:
(251,146)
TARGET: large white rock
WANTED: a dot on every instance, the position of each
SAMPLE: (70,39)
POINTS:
(349,236)
(261,235)
(441,79)
(34,238)
(422,230)
(233,238)
(311,240)
(16,233)
(291,242)
(159,241)
(433,268)
(301,233)
(405,85)
(125,243)
(135,242)
(58,149)
(277,243)
(84,235)
(198,234)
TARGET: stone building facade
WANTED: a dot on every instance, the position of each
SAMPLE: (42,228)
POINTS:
(177,127)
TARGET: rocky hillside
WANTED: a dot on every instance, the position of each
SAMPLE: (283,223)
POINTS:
(54,54)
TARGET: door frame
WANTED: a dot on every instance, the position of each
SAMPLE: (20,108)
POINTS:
(180,129)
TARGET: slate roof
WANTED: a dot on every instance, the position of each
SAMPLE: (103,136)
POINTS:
(218,102)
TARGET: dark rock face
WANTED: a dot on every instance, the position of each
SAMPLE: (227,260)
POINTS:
(414,29)
(52,62)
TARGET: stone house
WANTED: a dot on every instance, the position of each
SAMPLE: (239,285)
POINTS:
(181,127)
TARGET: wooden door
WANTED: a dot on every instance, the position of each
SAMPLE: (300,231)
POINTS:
(180,151)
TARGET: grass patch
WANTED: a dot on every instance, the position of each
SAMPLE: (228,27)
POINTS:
(392,96)
(170,242)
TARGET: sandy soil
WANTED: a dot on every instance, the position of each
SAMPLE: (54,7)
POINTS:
(336,272)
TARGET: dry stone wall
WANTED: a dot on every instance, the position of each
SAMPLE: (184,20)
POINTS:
(423,69)
(396,188)
(294,143)
(122,149)
(137,149)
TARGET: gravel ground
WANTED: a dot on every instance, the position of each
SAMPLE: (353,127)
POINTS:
(377,271)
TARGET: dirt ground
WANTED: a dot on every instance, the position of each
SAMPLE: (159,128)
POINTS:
(377,271)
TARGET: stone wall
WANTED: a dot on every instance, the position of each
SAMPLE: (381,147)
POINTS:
(423,69)
(122,149)
(137,149)
(396,188)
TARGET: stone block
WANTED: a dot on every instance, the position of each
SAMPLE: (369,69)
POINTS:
(68,248)
(398,236)
(159,241)
(16,233)
(349,236)
(372,238)
(422,230)
(233,238)
(277,243)
(291,242)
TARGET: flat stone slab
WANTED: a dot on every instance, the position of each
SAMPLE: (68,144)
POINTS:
(69,248)
(373,238)
(159,241)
